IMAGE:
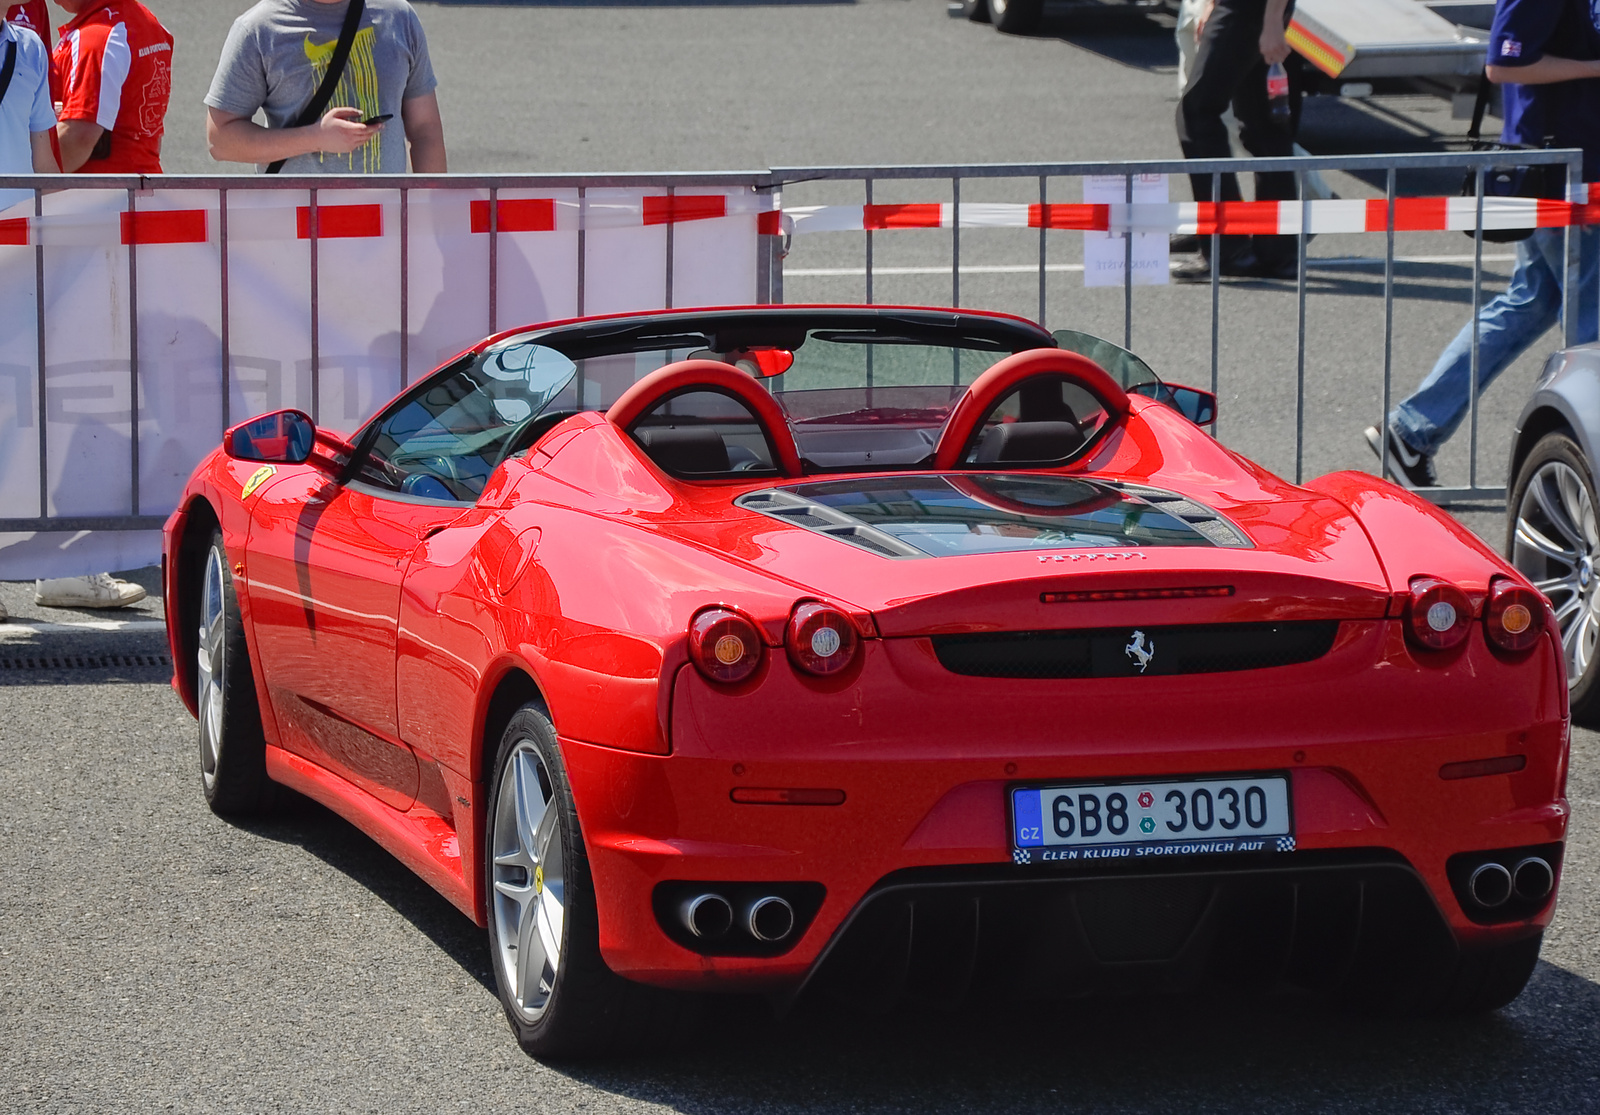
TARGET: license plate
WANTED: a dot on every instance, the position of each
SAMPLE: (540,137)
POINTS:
(1143,820)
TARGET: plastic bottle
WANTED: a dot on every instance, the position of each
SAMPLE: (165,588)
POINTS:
(1278,94)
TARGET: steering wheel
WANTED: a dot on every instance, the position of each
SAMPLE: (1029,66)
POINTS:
(999,381)
(527,433)
(711,375)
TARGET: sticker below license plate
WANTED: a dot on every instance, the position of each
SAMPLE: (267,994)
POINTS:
(1142,820)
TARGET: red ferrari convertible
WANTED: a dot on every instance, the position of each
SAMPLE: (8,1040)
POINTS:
(877,651)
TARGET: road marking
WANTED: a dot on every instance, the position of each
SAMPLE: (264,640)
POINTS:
(87,626)
(1060,268)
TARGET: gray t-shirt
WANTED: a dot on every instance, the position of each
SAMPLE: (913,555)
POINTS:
(278,51)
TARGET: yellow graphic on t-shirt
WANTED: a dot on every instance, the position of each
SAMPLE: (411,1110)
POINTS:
(357,88)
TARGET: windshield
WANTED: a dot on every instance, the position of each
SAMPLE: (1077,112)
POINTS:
(872,391)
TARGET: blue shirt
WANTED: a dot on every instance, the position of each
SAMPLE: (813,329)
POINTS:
(1563,114)
(26,108)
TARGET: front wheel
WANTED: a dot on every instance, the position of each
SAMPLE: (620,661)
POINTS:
(233,749)
(1554,541)
(544,931)
(1015,17)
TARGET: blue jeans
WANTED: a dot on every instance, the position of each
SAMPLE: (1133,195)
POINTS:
(1507,326)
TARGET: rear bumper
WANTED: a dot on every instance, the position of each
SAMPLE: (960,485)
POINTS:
(924,760)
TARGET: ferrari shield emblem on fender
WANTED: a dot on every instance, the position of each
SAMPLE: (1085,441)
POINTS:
(257,478)
(1141,651)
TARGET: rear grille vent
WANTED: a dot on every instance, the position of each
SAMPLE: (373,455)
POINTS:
(1116,652)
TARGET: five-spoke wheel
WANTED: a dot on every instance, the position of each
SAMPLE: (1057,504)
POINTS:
(233,765)
(1555,542)
(529,890)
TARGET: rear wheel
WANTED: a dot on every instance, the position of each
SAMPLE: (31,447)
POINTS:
(1553,540)
(544,931)
(976,10)
(233,750)
(1015,17)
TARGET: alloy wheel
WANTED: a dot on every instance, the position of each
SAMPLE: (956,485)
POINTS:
(1557,546)
(529,890)
(213,665)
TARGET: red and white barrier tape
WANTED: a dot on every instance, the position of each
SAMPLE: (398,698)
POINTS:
(514,215)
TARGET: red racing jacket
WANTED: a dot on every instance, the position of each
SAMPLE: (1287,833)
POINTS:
(113,65)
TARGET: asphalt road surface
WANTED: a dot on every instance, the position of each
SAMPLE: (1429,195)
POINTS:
(153,957)
(157,958)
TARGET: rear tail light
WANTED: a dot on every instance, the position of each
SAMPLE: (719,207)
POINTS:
(725,646)
(821,640)
(1439,614)
(1513,616)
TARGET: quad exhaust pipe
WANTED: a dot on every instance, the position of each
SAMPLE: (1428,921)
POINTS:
(769,918)
(1492,884)
(1532,879)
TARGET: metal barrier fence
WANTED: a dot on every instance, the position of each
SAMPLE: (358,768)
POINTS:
(650,267)
(319,292)
(1390,213)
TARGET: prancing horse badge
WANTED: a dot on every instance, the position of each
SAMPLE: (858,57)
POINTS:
(1141,651)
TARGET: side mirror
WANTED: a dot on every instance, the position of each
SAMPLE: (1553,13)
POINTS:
(284,437)
(1199,407)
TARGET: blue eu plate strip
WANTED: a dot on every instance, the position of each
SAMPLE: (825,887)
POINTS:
(1028,820)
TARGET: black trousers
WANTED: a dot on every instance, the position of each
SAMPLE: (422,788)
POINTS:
(1229,70)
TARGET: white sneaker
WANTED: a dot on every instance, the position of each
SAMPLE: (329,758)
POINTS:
(99,591)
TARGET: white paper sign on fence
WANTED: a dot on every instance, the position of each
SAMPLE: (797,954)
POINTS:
(1105,254)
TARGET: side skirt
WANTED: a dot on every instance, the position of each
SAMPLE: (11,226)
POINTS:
(420,838)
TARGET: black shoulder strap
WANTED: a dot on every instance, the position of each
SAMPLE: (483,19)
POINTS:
(1478,109)
(330,80)
(9,68)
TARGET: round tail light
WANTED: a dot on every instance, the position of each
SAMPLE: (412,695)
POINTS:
(820,640)
(725,646)
(1440,615)
(1513,616)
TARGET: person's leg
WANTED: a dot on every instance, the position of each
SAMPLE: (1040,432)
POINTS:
(1265,138)
(1507,325)
(1224,50)
(1188,17)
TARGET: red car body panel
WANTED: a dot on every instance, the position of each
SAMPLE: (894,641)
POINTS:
(379,631)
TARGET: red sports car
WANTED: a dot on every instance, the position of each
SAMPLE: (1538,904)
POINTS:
(878,650)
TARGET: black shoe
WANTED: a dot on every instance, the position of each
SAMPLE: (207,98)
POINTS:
(1242,265)
(1416,469)
(1185,245)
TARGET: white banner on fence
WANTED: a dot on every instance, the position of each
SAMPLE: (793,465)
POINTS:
(177,241)
(1105,254)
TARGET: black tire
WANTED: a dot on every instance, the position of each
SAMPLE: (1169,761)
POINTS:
(586,1009)
(1530,509)
(1015,17)
(976,10)
(233,749)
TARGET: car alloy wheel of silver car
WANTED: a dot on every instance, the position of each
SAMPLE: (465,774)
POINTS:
(529,889)
(213,666)
(1557,545)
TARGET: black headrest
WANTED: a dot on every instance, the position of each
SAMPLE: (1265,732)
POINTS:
(1027,443)
(684,450)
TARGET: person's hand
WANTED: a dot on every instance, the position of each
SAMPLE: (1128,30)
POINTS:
(1274,47)
(1205,14)
(341,131)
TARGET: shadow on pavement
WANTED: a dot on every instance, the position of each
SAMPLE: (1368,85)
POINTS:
(1129,37)
(308,825)
(1136,1055)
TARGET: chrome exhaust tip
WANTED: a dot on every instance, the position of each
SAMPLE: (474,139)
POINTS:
(768,918)
(706,916)
(1490,885)
(1533,879)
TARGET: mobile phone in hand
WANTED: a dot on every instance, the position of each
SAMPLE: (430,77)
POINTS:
(371,120)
